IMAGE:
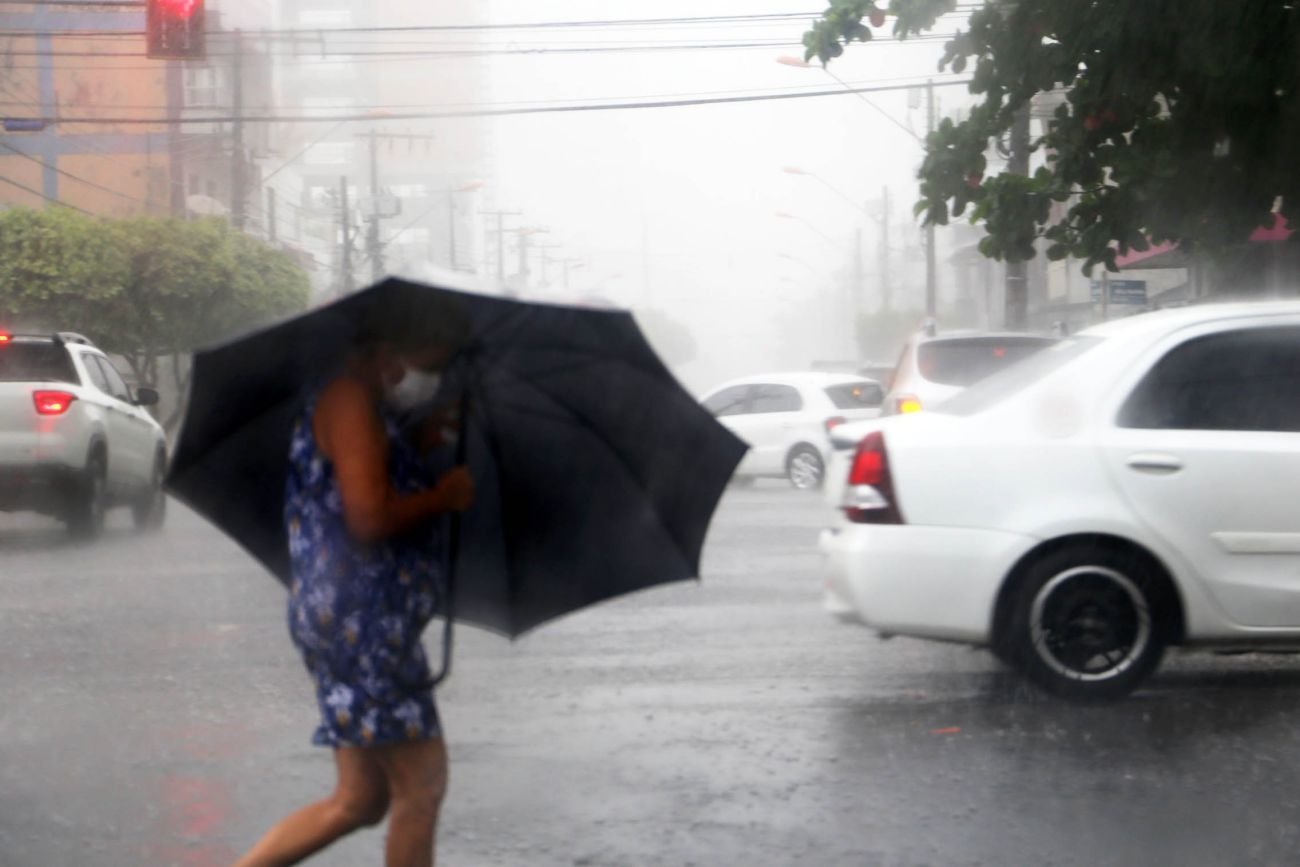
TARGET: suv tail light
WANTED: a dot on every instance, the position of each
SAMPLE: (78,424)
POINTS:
(833,422)
(869,497)
(52,402)
(5,338)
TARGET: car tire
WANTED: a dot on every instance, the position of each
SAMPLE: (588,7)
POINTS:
(150,511)
(1089,622)
(85,518)
(805,468)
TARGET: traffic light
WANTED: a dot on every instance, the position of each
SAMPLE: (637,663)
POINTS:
(174,29)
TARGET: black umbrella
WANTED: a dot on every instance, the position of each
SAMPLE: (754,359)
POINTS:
(596,473)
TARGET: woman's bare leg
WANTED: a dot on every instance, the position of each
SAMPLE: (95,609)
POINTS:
(417,782)
(359,799)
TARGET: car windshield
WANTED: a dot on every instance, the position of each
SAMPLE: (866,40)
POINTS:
(1015,378)
(35,362)
(965,361)
(854,395)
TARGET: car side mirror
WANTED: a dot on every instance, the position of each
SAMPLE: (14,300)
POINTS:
(145,396)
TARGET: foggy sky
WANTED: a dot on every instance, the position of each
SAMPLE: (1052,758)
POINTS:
(702,184)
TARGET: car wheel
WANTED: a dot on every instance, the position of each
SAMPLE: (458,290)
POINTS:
(1087,623)
(805,468)
(90,499)
(150,511)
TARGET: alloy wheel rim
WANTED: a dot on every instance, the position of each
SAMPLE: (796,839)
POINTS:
(1090,624)
(805,470)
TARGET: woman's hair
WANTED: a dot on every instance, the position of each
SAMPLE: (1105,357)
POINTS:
(415,319)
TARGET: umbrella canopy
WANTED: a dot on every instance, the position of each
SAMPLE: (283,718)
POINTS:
(596,473)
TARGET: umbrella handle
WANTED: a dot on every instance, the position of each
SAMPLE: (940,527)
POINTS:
(453,551)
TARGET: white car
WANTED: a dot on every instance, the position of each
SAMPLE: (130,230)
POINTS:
(74,440)
(1127,489)
(786,419)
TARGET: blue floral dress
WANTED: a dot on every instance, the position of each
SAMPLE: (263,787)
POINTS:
(356,612)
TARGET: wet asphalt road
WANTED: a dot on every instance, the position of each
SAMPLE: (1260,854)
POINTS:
(153,713)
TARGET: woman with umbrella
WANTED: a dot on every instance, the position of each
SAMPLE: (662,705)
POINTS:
(366,565)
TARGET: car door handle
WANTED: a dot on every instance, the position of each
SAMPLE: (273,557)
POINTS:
(1157,464)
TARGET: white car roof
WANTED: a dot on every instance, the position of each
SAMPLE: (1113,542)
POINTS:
(798,379)
(1177,318)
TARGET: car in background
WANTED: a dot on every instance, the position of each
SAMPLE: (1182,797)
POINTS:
(934,367)
(74,439)
(787,418)
(1127,489)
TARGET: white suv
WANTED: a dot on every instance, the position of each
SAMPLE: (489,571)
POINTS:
(73,439)
(787,418)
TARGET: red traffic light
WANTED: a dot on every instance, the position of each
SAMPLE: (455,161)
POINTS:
(180,8)
(174,29)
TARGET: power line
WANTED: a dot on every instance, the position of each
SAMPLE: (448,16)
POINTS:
(774,17)
(73,177)
(28,189)
(913,80)
(378,57)
(446,52)
(350,56)
(497,112)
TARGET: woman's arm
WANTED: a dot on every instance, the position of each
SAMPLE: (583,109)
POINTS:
(351,434)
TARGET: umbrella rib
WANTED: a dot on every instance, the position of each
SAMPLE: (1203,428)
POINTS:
(600,437)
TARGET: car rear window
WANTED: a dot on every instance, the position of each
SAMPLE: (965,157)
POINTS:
(1016,378)
(965,361)
(35,362)
(856,395)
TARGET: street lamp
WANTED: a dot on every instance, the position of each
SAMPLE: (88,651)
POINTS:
(782,215)
(798,63)
(931,268)
(795,170)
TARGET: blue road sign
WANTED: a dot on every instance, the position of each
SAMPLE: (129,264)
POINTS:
(1122,291)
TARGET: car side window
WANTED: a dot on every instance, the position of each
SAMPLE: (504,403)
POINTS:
(1244,380)
(776,398)
(856,395)
(116,385)
(729,401)
(96,373)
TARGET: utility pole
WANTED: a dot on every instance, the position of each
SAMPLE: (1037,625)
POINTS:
(374,251)
(271,228)
(1017,301)
(523,258)
(524,245)
(346,281)
(886,290)
(500,233)
(175,82)
(451,227)
(546,261)
(237,181)
(931,277)
(374,244)
(569,264)
(859,278)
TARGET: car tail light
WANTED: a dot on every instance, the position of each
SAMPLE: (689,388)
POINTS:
(907,403)
(5,338)
(53,402)
(869,497)
(833,422)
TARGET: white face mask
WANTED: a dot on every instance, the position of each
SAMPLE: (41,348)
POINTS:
(416,387)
